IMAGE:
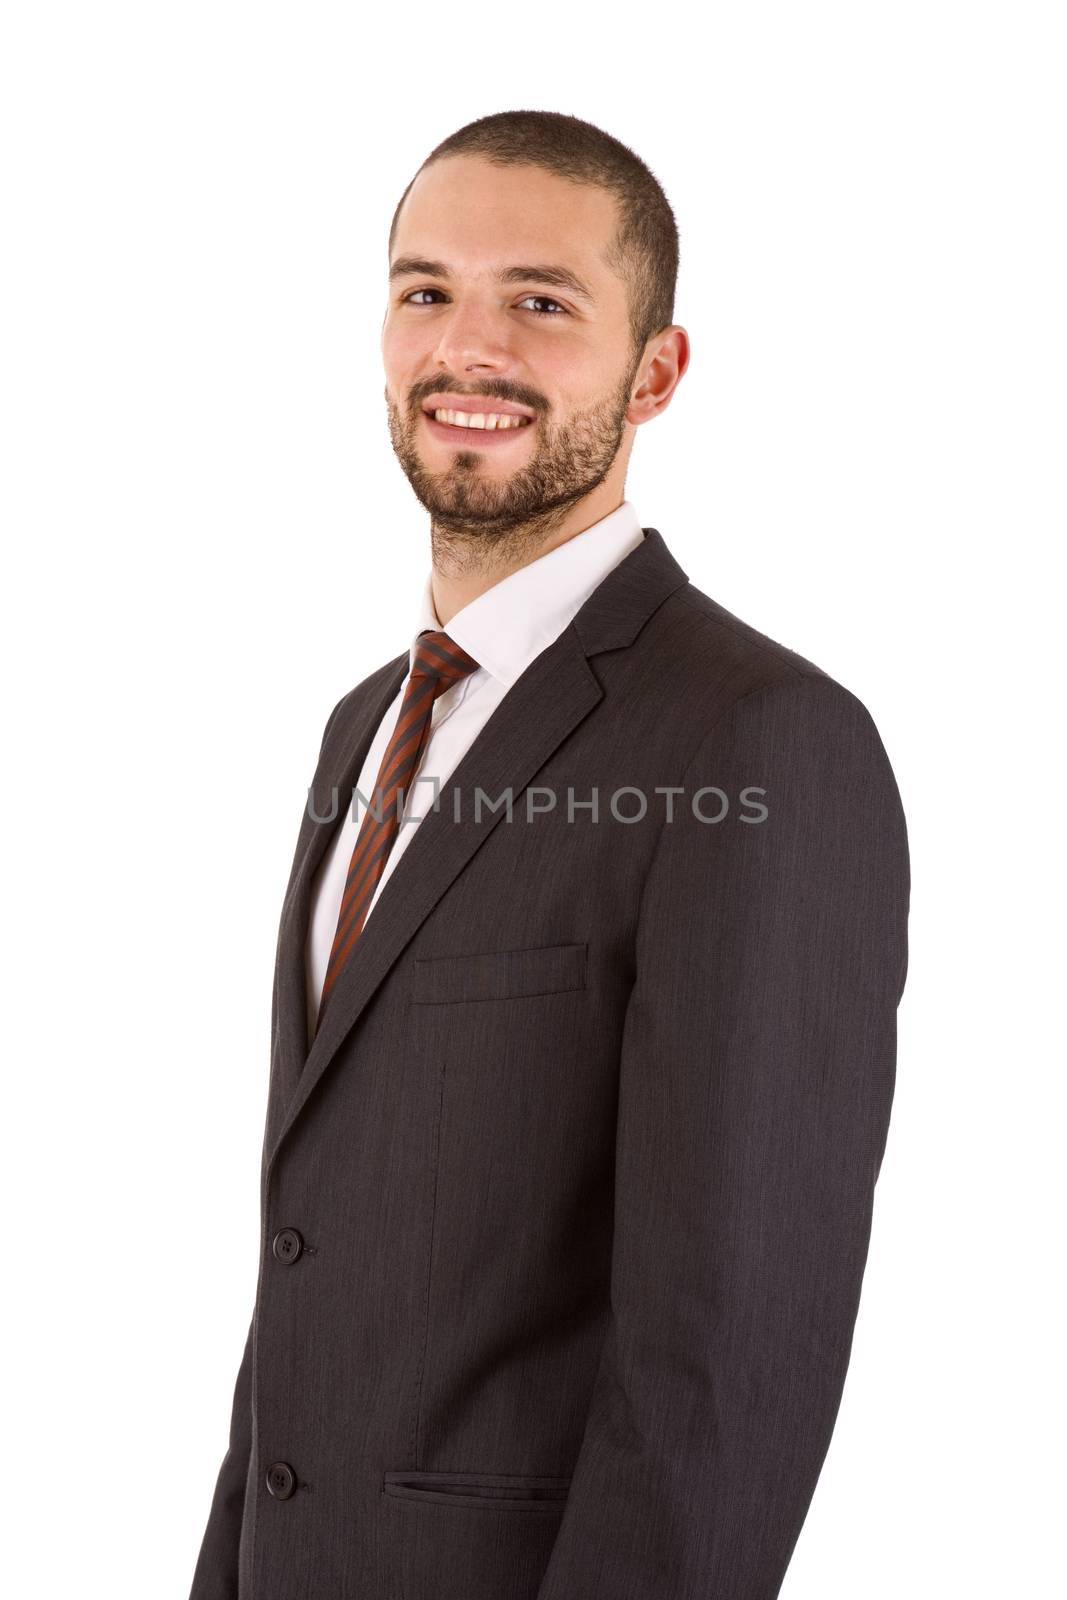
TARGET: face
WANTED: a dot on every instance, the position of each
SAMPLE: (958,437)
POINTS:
(459,334)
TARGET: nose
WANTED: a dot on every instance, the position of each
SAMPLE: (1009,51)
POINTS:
(470,341)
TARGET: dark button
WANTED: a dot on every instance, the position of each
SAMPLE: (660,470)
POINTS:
(288,1245)
(281,1480)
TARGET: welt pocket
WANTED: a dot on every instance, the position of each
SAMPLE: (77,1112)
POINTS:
(498,974)
(483,1490)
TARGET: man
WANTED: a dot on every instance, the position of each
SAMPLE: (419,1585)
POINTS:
(583,1039)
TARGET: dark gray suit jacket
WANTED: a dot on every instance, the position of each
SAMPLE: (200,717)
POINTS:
(565,1214)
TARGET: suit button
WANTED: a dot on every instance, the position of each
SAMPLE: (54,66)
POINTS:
(287,1245)
(281,1480)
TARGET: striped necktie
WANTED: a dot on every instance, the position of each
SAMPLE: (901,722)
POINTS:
(439,663)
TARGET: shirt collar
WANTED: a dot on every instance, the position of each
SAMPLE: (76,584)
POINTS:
(513,621)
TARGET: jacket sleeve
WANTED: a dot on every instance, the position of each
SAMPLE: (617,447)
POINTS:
(216,1572)
(756,1077)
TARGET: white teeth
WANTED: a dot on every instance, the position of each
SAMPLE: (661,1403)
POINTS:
(480,419)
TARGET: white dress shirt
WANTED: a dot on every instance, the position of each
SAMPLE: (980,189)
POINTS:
(504,629)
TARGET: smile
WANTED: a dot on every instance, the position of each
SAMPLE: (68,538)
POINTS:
(490,427)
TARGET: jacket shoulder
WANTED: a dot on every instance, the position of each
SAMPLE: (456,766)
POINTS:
(715,665)
(707,627)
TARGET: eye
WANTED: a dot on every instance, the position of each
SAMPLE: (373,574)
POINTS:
(560,311)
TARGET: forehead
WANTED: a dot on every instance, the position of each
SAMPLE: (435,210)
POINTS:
(479,218)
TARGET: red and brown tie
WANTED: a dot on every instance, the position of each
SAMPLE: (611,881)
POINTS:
(439,663)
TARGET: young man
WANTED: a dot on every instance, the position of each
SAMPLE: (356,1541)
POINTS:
(583,1040)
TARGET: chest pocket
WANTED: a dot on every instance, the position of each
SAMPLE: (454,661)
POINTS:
(498,974)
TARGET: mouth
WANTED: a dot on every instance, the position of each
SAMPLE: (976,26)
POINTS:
(472,430)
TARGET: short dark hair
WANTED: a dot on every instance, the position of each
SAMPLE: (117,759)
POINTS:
(644,248)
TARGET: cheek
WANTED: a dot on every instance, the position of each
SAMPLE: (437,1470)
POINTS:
(564,371)
(404,355)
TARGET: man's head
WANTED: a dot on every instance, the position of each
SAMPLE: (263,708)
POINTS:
(533,261)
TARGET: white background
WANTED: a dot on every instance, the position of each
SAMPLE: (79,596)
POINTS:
(865,460)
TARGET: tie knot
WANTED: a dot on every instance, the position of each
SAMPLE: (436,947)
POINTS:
(438,656)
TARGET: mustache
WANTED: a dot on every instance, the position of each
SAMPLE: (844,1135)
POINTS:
(506,396)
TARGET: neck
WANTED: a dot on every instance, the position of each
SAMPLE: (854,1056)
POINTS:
(468,561)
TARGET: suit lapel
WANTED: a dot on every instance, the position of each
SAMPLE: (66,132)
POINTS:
(340,764)
(543,706)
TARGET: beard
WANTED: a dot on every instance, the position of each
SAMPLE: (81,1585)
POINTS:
(473,510)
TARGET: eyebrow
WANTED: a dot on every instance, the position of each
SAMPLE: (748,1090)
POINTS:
(556,277)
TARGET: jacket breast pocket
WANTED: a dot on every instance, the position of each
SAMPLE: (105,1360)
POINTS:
(499,974)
